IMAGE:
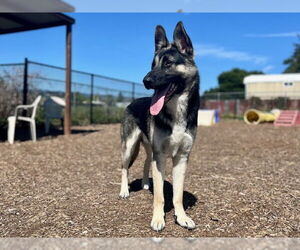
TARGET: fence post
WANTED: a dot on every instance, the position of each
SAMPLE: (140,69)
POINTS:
(91,98)
(133,91)
(219,102)
(25,81)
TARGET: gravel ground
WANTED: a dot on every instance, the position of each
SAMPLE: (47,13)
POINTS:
(242,181)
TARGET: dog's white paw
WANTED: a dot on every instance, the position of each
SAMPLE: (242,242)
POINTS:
(145,185)
(158,223)
(124,194)
(157,240)
(185,221)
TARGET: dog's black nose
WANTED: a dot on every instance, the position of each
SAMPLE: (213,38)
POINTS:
(147,81)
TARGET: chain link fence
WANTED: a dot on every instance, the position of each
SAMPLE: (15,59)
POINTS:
(234,104)
(11,89)
(101,99)
(95,98)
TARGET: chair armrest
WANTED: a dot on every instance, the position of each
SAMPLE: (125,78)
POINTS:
(22,107)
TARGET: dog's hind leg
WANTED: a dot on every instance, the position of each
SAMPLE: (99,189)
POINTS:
(130,150)
(145,182)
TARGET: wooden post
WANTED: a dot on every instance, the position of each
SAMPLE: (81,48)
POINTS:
(68,116)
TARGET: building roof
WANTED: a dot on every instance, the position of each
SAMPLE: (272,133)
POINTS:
(35,6)
(272,78)
(16,22)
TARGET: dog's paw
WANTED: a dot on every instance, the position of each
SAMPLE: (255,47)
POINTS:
(145,185)
(158,223)
(124,194)
(185,221)
(157,240)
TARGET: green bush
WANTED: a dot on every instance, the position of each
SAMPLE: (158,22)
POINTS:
(81,116)
(281,102)
(256,102)
(107,114)
(101,115)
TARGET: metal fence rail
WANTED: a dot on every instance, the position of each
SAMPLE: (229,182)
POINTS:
(95,98)
(234,104)
(101,99)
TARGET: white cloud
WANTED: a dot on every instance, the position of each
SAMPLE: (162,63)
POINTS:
(270,35)
(268,68)
(221,52)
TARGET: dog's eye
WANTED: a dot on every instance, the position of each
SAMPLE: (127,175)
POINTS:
(167,63)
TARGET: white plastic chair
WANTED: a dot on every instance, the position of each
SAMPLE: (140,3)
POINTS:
(13,119)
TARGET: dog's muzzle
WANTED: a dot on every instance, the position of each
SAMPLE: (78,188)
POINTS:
(148,81)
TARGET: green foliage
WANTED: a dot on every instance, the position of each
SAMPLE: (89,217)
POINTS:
(293,62)
(110,100)
(81,115)
(101,115)
(108,115)
(281,102)
(232,116)
(232,81)
(255,102)
(120,97)
(80,98)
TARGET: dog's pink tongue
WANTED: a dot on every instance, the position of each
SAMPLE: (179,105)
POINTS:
(158,100)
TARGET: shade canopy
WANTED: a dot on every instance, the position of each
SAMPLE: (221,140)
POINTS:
(35,6)
(16,22)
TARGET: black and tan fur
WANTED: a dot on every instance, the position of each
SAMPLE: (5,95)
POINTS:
(172,132)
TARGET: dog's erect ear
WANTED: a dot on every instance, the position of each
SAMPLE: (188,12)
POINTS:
(182,40)
(161,39)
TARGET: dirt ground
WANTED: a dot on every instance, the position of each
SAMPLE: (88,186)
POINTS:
(242,181)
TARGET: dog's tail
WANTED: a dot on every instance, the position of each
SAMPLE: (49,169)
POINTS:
(130,144)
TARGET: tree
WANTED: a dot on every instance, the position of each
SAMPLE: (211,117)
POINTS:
(232,81)
(293,62)
(120,97)
(110,100)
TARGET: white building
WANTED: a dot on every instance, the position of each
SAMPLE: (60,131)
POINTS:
(272,86)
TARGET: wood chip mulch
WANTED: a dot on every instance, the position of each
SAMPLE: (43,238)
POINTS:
(242,181)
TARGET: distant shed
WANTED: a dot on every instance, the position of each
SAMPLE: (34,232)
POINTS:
(272,86)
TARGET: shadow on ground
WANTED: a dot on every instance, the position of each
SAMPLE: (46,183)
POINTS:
(22,133)
(189,200)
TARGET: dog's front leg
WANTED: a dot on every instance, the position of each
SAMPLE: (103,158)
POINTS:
(158,174)
(179,168)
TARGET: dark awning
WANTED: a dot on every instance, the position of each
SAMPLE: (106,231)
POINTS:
(15,22)
(35,6)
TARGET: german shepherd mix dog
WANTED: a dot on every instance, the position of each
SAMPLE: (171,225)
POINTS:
(166,123)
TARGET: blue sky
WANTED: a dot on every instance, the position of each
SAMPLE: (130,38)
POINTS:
(186,5)
(121,45)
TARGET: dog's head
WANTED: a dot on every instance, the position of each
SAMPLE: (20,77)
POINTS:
(173,67)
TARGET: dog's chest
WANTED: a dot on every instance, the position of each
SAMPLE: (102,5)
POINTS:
(175,140)
(179,139)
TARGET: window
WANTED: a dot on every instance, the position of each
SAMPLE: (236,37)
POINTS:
(288,84)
